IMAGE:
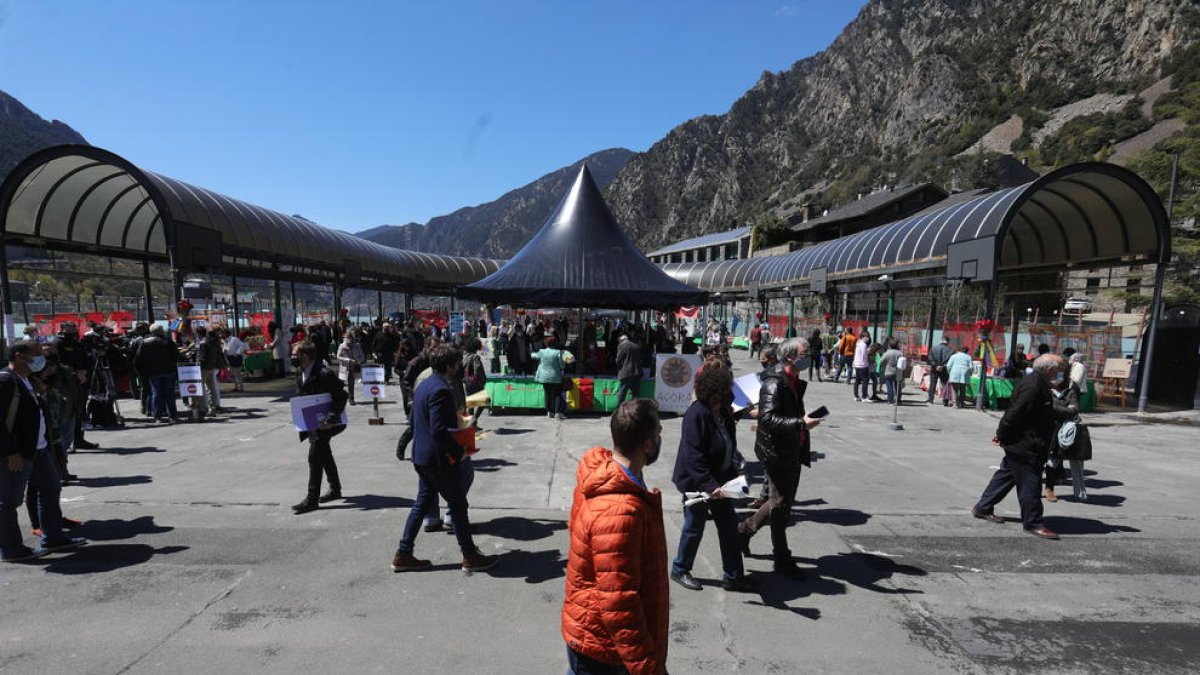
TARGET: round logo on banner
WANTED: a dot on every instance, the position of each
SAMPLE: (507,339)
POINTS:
(375,391)
(676,372)
(191,388)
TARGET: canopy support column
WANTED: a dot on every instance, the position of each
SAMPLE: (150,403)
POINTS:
(147,290)
(1152,333)
(791,328)
(295,314)
(233,284)
(277,292)
(6,329)
(929,331)
(379,294)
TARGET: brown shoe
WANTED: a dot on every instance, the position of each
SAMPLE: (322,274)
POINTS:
(1043,532)
(407,562)
(990,517)
(1050,496)
(478,562)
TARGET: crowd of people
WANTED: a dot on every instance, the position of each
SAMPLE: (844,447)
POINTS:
(616,604)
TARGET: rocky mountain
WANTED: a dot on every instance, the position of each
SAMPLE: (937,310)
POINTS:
(23,132)
(498,229)
(899,96)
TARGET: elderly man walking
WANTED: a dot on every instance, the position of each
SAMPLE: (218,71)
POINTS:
(1025,433)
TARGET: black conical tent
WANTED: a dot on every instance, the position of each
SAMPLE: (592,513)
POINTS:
(581,258)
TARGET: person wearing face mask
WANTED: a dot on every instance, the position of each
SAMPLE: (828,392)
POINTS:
(782,442)
(1025,432)
(707,459)
(616,605)
(313,377)
(25,457)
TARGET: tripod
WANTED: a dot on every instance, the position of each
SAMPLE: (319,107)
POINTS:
(103,388)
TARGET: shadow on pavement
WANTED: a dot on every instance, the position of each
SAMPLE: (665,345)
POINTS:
(1096,500)
(512,432)
(491,464)
(113,481)
(536,566)
(129,451)
(370,503)
(109,530)
(1099,484)
(1066,525)
(521,529)
(107,558)
(840,517)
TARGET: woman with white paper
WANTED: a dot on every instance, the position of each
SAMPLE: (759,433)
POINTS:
(707,460)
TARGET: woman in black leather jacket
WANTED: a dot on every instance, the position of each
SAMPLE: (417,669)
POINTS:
(782,445)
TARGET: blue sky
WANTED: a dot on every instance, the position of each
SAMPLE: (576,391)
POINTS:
(357,114)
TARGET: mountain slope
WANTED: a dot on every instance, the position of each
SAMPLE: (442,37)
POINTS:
(23,132)
(498,229)
(906,87)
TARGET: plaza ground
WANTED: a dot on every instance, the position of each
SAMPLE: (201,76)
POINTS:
(198,565)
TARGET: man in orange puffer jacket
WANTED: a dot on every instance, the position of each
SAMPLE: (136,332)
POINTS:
(615,612)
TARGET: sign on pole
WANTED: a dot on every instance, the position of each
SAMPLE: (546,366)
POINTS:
(675,374)
(372,382)
(190,381)
(458,323)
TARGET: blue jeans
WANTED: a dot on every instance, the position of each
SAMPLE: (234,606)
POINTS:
(433,481)
(629,385)
(890,382)
(578,664)
(466,469)
(41,472)
(694,516)
(847,363)
(162,395)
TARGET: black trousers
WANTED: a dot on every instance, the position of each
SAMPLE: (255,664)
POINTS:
(1025,475)
(553,393)
(387,360)
(783,481)
(320,461)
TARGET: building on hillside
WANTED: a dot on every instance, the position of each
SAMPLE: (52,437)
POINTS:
(868,211)
(731,245)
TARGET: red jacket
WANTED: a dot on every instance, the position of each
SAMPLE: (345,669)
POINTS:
(617,603)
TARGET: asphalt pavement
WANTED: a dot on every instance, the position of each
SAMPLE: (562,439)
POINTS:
(198,565)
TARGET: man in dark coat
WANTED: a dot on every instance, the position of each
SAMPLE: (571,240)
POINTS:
(25,457)
(629,368)
(436,454)
(1025,432)
(313,377)
(156,360)
(782,445)
(385,346)
(73,353)
(939,375)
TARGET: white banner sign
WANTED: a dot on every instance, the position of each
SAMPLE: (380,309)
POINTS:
(372,374)
(375,390)
(675,374)
(189,373)
(189,381)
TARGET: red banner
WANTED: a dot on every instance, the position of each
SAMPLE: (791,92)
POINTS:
(50,325)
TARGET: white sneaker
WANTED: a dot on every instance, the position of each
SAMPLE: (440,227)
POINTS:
(857,399)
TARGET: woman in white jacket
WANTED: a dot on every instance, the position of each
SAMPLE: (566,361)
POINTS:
(350,358)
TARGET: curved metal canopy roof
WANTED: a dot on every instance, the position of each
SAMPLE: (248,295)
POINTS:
(1081,215)
(82,198)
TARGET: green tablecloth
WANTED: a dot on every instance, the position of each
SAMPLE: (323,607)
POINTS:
(522,392)
(1001,390)
(259,361)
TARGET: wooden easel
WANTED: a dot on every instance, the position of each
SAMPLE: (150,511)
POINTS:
(1114,388)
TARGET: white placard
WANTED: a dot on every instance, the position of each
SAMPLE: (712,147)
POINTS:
(372,375)
(745,391)
(343,374)
(673,380)
(309,411)
(189,373)
(374,390)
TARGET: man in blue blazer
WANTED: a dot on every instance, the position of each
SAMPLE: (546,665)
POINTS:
(435,457)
